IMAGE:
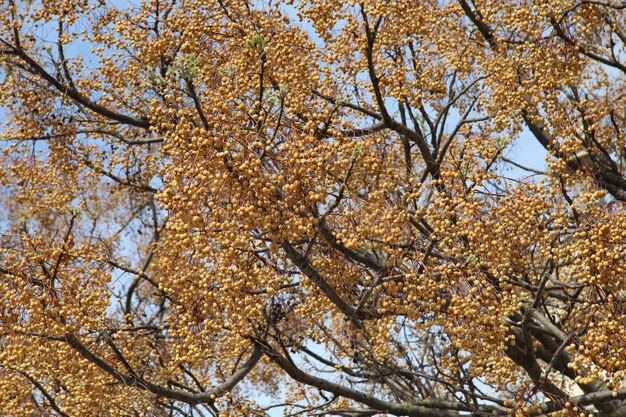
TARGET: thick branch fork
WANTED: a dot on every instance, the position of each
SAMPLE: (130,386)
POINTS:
(133,380)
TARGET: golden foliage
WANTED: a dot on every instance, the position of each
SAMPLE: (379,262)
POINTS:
(227,208)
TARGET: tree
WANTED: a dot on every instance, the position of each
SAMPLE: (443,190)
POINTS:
(223,207)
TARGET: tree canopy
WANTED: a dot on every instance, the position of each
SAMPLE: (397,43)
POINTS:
(308,208)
